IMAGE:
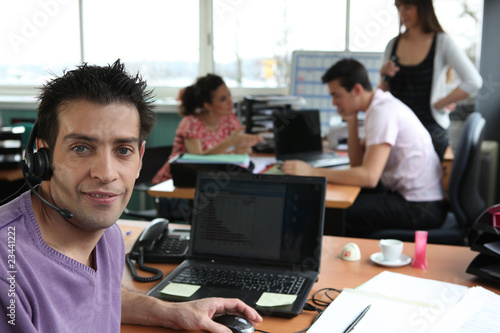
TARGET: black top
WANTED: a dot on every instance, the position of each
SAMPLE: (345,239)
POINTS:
(412,85)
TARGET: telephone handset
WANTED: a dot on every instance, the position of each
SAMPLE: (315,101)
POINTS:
(157,244)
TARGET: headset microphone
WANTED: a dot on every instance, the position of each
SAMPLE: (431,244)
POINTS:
(38,164)
(65,213)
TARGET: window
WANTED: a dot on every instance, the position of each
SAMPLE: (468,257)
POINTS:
(371,28)
(158,38)
(39,37)
(170,42)
(254,40)
(462,20)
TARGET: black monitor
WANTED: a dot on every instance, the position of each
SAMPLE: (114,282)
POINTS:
(297,131)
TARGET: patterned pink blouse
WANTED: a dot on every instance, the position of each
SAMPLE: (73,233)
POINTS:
(192,127)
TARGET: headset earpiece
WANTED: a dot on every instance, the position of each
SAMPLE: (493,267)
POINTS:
(41,165)
(36,164)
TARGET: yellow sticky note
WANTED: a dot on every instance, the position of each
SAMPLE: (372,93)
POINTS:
(180,289)
(273,299)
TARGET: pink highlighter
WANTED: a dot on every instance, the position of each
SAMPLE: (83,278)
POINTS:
(420,260)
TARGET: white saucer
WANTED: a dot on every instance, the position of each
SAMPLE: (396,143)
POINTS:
(379,259)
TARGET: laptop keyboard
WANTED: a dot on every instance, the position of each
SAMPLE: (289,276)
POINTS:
(274,283)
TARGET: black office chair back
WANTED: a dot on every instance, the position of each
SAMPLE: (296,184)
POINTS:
(154,158)
(463,191)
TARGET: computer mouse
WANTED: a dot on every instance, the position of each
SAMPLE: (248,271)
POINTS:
(235,323)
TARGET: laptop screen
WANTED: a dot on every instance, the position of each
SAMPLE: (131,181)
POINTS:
(297,132)
(266,218)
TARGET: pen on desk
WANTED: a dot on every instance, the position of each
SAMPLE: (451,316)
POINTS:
(127,233)
(356,321)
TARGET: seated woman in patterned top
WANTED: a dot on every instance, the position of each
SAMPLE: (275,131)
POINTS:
(209,125)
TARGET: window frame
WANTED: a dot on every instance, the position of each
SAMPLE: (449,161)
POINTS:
(206,58)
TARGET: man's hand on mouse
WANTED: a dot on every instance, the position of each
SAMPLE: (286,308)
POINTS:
(197,315)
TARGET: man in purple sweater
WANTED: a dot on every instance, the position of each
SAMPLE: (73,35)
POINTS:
(61,267)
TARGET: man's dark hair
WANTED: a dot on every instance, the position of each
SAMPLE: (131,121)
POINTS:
(348,72)
(97,84)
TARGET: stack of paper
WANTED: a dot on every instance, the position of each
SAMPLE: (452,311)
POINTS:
(478,311)
(238,159)
(401,303)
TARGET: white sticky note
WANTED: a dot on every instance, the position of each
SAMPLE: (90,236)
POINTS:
(180,289)
(273,299)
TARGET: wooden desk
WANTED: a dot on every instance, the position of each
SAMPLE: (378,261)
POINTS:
(445,263)
(446,166)
(337,196)
(11,174)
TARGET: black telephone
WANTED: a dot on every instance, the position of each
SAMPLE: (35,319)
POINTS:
(157,244)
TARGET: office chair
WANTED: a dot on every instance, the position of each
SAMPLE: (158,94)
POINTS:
(465,201)
(153,160)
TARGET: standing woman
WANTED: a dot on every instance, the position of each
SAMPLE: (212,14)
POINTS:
(415,67)
(209,125)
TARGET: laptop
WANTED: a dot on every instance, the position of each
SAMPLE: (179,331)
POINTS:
(297,136)
(260,234)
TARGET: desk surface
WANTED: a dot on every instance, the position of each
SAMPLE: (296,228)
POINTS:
(445,263)
(11,174)
(337,196)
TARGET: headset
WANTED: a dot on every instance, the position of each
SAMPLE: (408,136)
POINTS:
(37,164)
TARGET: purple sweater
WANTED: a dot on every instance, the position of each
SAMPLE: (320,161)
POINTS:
(42,290)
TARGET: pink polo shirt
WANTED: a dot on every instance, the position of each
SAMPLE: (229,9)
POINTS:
(413,168)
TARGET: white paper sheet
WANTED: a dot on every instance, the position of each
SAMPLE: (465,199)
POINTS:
(399,304)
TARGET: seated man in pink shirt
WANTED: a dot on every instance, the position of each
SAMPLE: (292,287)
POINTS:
(395,164)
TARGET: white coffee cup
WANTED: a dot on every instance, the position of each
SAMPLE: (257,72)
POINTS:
(391,249)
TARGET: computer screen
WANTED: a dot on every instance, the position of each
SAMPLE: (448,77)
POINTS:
(297,132)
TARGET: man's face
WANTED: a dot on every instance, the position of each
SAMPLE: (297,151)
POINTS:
(96,160)
(342,99)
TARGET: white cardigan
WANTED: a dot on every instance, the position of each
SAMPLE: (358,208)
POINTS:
(447,54)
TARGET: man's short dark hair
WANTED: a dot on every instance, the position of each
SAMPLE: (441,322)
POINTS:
(349,72)
(97,84)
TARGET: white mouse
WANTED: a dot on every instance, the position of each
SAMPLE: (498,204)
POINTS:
(351,252)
